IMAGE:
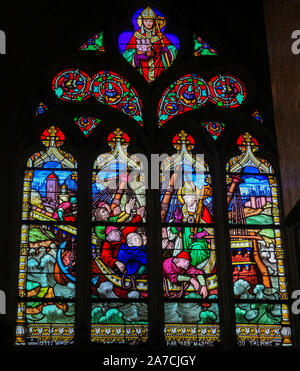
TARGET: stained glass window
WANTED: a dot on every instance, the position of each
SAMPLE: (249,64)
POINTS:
(107,87)
(87,124)
(257,250)
(113,90)
(202,48)
(214,128)
(188,248)
(149,49)
(42,108)
(47,262)
(193,92)
(227,91)
(186,235)
(94,43)
(256,114)
(72,85)
(119,246)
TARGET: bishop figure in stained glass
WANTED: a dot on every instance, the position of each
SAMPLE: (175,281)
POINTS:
(149,49)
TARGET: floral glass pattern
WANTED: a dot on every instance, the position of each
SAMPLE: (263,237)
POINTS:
(202,48)
(94,43)
(193,92)
(107,87)
(87,124)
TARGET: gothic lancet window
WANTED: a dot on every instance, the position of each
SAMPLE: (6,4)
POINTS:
(257,251)
(119,246)
(47,269)
(188,248)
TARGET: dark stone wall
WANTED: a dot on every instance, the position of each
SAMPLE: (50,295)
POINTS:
(282,17)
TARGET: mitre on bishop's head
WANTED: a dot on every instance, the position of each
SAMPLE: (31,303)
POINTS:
(148,13)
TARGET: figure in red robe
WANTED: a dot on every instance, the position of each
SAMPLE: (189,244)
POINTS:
(115,238)
(66,211)
(149,50)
